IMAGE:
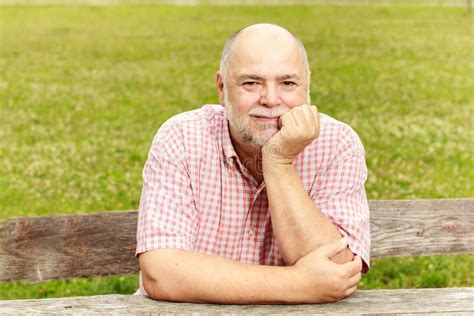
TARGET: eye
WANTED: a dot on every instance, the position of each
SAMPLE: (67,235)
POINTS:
(289,83)
(250,83)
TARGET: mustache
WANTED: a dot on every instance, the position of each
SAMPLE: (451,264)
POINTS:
(267,112)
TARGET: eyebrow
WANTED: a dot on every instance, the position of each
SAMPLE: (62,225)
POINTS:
(255,77)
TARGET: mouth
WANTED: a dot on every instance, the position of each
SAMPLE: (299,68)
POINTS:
(265,118)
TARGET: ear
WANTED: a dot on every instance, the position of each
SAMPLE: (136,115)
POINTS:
(220,87)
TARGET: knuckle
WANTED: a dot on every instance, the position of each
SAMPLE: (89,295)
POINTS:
(308,135)
(342,275)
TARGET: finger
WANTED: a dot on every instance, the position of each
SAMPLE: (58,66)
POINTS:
(315,113)
(285,119)
(333,248)
(350,291)
(300,115)
(355,279)
(308,116)
(354,266)
(297,118)
(312,119)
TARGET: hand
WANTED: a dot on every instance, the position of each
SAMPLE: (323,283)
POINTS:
(299,127)
(322,280)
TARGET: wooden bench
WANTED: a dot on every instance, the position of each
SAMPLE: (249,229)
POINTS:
(47,248)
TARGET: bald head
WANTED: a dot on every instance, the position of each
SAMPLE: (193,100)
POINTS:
(269,38)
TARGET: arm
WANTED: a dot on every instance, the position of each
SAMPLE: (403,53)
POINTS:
(295,218)
(179,275)
(299,225)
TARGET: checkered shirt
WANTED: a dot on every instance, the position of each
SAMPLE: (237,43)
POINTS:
(198,196)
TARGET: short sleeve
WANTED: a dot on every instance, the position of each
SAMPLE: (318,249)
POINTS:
(167,216)
(340,194)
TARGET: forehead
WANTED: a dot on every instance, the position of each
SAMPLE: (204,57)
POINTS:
(266,55)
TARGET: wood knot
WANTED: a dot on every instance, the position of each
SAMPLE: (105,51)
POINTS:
(25,226)
(74,223)
(449,227)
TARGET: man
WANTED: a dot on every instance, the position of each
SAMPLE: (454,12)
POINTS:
(247,203)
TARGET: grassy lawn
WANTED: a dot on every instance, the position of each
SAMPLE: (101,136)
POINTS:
(84,89)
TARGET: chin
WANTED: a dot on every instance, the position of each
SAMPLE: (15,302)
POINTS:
(262,138)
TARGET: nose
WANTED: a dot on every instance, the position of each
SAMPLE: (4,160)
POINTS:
(270,96)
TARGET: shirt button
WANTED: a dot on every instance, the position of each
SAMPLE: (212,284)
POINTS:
(251,232)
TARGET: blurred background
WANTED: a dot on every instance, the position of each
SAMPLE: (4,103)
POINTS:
(85,85)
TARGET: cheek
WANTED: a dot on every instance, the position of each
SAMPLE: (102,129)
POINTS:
(243,101)
(294,98)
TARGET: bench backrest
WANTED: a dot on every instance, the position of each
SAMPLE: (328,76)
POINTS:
(45,248)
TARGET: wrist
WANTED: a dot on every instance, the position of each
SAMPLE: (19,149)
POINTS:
(277,166)
(296,286)
(272,151)
(276,160)
(271,155)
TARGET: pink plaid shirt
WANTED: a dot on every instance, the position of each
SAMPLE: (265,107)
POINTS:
(198,196)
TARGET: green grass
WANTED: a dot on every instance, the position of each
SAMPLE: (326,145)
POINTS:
(84,89)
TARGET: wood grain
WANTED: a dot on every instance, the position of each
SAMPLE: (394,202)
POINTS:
(44,248)
(421,227)
(448,301)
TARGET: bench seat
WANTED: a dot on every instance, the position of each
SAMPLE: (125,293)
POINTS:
(406,301)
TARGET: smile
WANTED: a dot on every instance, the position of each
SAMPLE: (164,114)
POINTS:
(265,118)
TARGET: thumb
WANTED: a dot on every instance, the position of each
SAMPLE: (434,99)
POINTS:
(333,248)
(283,119)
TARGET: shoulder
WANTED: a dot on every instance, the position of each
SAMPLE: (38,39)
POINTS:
(198,117)
(208,112)
(338,135)
(192,132)
(196,121)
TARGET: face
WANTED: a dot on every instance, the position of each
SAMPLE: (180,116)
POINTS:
(265,78)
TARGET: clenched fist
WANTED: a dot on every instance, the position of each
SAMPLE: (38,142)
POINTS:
(299,127)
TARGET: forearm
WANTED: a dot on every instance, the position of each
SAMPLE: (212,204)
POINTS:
(179,275)
(298,225)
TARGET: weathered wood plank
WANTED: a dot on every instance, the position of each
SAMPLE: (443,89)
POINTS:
(422,227)
(410,301)
(43,248)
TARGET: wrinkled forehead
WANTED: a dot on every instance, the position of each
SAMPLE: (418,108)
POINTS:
(267,54)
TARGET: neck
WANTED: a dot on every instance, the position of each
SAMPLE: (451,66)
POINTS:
(249,155)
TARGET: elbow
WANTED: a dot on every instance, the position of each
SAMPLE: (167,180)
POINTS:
(158,279)
(165,279)
(151,287)
(161,289)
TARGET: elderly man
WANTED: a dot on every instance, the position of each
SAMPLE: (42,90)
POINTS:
(261,200)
